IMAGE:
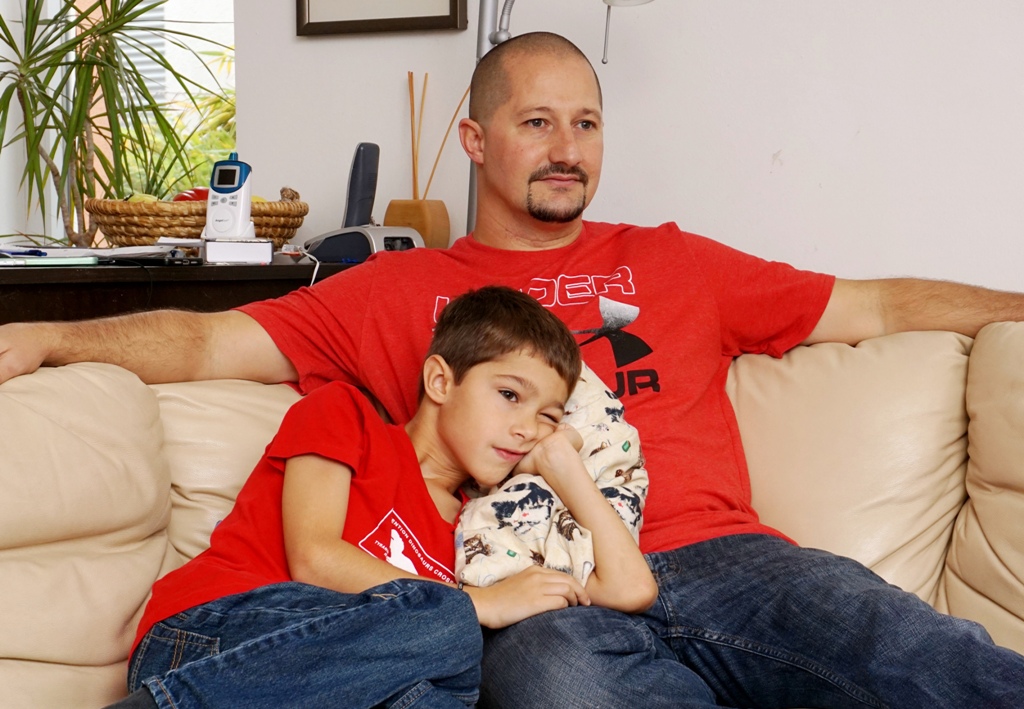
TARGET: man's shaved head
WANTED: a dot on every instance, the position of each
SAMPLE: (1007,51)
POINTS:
(490,87)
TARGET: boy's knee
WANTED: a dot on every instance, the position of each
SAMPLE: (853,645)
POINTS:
(443,614)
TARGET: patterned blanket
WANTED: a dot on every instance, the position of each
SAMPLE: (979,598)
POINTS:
(522,522)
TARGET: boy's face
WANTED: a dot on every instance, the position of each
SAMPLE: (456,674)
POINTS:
(498,412)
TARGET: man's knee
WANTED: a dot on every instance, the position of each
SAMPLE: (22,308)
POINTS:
(577,657)
(574,634)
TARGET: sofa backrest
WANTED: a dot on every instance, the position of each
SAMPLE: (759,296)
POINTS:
(213,437)
(861,450)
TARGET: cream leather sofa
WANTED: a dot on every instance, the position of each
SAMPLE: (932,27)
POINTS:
(906,452)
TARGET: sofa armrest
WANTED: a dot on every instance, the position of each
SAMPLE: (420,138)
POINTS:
(84,503)
(985,570)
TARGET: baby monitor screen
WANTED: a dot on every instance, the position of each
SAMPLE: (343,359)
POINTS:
(225,176)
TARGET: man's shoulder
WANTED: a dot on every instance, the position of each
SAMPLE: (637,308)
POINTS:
(412,266)
(637,241)
(668,234)
(412,257)
(633,231)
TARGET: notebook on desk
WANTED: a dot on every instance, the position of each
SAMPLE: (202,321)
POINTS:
(151,260)
(49,261)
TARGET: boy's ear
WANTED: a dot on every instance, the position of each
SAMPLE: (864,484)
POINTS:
(438,379)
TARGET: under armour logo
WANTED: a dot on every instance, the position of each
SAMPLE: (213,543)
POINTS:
(615,316)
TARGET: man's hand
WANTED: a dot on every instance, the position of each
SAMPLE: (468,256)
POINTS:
(530,592)
(23,348)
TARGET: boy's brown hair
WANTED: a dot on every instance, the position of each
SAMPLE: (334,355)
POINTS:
(482,325)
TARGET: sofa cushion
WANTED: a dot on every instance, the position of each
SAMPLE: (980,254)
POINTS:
(215,432)
(986,559)
(861,450)
(83,509)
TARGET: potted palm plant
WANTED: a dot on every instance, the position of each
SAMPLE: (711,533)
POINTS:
(74,100)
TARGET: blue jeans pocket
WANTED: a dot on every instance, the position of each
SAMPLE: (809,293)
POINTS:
(164,648)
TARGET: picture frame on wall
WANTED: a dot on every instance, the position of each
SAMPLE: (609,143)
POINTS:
(347,16)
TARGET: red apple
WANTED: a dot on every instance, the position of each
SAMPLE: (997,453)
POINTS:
(196,194)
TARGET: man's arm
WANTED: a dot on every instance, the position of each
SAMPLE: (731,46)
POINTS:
(159,346)
(858,310)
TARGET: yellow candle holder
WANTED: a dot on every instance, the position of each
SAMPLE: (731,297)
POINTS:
(427,216)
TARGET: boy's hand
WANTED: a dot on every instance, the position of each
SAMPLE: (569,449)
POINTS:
(530,592)
(552,452)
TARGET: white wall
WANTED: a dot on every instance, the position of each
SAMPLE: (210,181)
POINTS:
(304,103)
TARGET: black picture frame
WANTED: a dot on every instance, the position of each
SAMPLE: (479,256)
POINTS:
(453,19)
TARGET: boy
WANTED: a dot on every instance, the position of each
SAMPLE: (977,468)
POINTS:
(316,590)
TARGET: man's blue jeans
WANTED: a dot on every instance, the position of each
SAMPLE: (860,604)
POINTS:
(402,644)
(752,621)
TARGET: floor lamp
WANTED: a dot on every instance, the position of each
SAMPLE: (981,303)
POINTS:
(492,30)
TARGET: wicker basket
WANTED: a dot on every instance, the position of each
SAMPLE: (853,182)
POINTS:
(142,223)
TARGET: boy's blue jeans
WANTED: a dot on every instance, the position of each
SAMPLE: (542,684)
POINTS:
(402,644)
(752,621)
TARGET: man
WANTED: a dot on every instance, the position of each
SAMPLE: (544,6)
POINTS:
(744,617)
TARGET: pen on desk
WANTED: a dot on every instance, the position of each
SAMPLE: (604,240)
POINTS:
(25,252)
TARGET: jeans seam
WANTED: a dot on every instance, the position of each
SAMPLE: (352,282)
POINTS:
(415,693)
(163,692)
(411,696)
(798,661)
(133,675)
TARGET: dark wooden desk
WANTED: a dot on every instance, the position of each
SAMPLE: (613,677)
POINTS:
(69,293)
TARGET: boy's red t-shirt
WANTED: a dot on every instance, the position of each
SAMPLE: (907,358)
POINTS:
(390,512)
(659,315)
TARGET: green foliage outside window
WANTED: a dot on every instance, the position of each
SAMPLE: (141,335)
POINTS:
(78,107)
(206,129)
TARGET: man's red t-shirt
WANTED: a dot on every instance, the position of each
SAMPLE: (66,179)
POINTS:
(659,315)
(390,512)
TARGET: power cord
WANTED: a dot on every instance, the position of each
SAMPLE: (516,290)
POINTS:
(314,259)
(297,251)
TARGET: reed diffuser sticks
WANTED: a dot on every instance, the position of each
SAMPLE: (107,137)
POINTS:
(416,132)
